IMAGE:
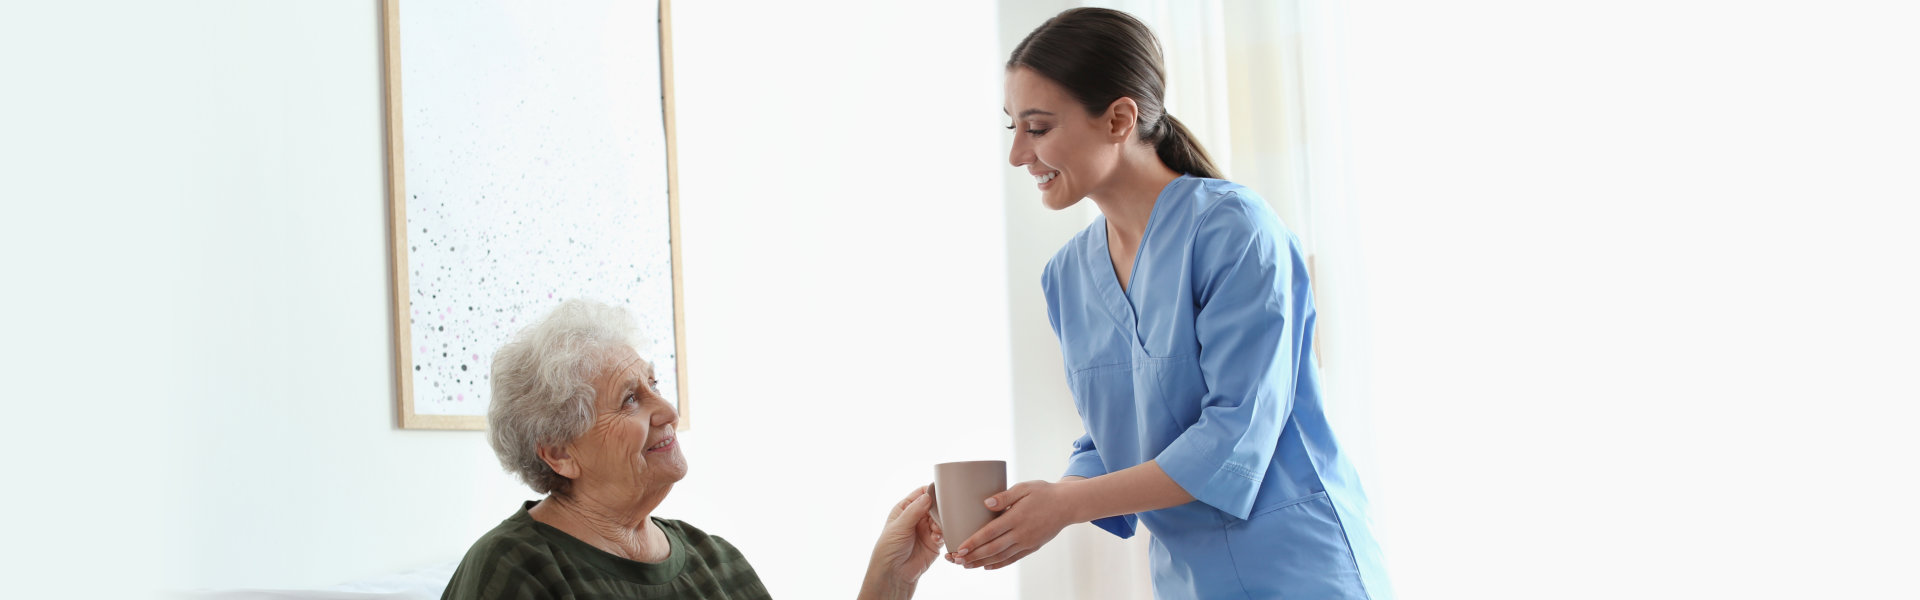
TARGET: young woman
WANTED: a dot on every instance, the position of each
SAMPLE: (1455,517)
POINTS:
(1186,324)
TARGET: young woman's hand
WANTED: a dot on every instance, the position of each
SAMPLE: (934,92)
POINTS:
(1031,514)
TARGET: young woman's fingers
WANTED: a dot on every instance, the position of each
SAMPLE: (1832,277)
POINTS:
(1016,558)
(995,558)
(1002,500)
(997,550)
(987,533)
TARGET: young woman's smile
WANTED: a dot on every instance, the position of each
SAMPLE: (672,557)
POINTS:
(1069,152)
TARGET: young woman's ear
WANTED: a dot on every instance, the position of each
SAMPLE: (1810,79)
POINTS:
(1121,118)
(560,461)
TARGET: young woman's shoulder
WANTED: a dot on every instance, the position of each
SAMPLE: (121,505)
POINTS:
(1220,206)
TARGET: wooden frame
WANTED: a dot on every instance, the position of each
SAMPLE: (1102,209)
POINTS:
(408,414)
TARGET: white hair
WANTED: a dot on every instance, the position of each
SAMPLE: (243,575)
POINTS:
(543,384)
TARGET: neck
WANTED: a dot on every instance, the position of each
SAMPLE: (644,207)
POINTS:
(1128,196)
(624,529)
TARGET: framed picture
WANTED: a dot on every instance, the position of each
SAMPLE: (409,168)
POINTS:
(530,160)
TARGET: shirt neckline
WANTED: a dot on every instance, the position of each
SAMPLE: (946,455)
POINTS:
(606,562)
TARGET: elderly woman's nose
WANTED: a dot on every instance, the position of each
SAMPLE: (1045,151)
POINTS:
(665,415)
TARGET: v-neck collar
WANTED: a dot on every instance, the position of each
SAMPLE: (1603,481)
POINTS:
(1118,301)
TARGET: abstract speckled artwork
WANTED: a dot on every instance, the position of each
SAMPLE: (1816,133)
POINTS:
(535,171)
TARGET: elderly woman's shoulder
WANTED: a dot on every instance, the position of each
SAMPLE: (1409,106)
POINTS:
(513,560)
(698,540)
(517,535)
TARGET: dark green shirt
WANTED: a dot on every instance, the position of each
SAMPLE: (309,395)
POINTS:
(525,559)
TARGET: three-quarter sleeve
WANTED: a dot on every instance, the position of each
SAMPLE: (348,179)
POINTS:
(1085,462)
(1248,321)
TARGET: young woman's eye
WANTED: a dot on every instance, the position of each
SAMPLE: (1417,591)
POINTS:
(1038,132)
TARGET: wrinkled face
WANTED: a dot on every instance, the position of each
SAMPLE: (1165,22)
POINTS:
(1070,153)
(631,445)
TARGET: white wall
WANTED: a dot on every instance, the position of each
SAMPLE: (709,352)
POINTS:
(845,274)
(197,334)
(197,283)
(1642,279)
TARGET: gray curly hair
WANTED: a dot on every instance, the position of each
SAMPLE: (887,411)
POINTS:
(543,384)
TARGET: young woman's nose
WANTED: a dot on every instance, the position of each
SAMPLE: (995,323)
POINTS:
(1022,154)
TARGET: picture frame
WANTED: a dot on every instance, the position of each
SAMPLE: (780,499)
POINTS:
(530,159)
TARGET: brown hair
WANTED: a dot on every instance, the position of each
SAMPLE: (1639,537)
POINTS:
(1100,55)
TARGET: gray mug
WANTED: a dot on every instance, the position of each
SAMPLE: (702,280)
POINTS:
(960,491)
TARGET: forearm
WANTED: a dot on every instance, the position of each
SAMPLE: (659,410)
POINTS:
(1139,488)
(882,589)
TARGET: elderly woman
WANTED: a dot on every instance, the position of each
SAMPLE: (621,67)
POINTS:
(575,415)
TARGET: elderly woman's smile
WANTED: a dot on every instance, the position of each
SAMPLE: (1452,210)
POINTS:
(663,446)
(630,449)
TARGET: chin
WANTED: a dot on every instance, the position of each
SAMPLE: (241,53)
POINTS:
(1059,201)
(677,466)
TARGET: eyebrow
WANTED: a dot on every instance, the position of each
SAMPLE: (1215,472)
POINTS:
(632,384)
(1030,112)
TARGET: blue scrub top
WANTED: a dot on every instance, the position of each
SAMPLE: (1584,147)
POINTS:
(1205,364)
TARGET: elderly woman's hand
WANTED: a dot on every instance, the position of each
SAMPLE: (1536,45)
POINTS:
(907,546)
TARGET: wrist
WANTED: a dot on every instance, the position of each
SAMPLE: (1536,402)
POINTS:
(1074,496)
(881,585)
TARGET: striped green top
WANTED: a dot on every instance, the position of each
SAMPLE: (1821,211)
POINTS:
(525,559)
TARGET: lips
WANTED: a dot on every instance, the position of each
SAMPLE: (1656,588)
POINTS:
(664,444)
(1043,179)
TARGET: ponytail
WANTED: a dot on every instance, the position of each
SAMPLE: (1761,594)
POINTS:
(1180,151)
